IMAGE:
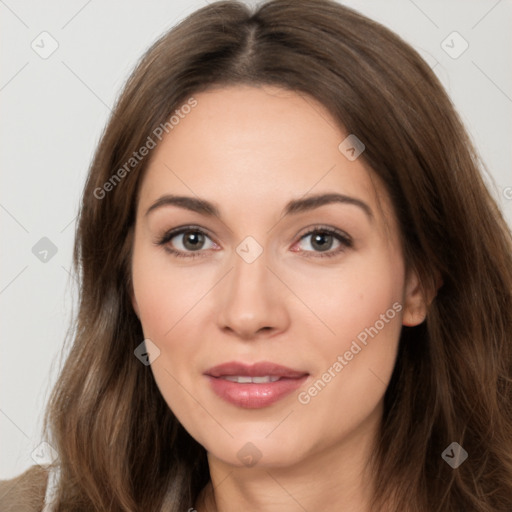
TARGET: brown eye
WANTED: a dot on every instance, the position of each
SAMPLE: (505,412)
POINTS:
(192,240)
(320,241)
(187,242)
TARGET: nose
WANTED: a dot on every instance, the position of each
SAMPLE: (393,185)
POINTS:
(252,301)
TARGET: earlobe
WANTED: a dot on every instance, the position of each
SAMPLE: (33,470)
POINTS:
(413,316)
(415,303)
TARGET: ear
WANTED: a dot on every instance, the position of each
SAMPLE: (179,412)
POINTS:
(415,302)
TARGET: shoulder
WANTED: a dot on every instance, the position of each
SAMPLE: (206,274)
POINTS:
(24,493)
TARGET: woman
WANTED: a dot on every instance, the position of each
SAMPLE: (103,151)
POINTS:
(295,286)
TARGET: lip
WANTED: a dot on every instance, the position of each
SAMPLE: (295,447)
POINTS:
(254,370)
(252,395)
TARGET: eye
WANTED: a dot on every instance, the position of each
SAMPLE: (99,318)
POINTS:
(320,240)
(192,242)
(185,241)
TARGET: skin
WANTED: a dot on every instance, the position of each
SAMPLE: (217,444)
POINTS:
(250,150)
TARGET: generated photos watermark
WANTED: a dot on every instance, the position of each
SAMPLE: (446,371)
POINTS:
(304,397)
(454,455)
(144,150)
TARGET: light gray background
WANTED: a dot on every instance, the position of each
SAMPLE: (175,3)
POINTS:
(53,111)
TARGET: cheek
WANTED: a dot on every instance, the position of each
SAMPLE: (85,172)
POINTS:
(355,364)
(171,302)
(361,306)
(352,297)
(163,294)
(164,297)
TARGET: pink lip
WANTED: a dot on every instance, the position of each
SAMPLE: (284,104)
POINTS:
(252,395)
(254,370)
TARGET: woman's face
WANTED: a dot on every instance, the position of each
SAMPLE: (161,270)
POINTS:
(268,271)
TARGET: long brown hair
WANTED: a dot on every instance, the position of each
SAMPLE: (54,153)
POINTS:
(120,446)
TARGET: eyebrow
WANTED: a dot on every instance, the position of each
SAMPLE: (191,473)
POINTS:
(294,206)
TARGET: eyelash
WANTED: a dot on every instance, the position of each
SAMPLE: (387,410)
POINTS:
(343,238)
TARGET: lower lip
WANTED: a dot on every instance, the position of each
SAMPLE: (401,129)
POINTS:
(254,396)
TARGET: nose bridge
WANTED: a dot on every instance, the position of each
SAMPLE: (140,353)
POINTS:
(249,277)
(250,298)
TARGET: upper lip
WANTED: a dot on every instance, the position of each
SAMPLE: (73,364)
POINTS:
(260,369)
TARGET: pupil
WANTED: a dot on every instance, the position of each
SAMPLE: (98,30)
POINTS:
(193,240)
(319,241)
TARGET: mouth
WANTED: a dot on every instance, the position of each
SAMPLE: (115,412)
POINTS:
(254,386)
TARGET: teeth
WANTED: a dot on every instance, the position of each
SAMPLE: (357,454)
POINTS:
(243,379)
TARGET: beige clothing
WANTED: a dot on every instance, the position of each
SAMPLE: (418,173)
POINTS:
(24,493)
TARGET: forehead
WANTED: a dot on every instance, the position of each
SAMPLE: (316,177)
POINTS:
(259,146)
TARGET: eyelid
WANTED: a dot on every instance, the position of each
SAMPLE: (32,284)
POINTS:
(308,230)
